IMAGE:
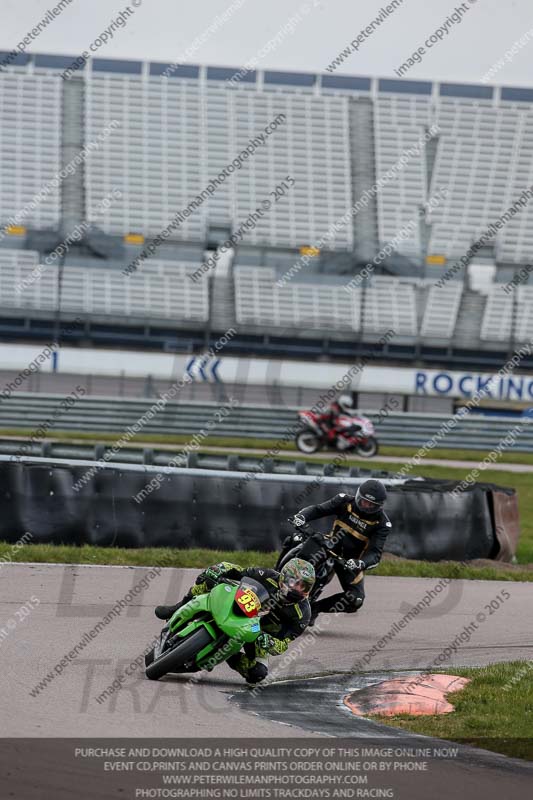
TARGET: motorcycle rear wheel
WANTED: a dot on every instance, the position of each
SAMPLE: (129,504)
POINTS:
(307,442)
(174,660)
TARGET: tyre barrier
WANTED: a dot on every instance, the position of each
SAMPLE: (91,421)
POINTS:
(79,502)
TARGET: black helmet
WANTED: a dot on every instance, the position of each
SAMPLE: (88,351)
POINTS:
(371,496)
(296,579)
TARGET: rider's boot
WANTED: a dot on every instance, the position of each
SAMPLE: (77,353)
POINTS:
(240,663)
(165,612)
(252,670)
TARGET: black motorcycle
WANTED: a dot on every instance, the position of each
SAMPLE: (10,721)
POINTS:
(316,547)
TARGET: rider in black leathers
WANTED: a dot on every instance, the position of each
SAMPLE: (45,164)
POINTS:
(358,534)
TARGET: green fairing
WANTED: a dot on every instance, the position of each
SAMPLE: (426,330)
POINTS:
(219,605)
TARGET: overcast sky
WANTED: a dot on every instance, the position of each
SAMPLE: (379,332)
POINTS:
(164,29)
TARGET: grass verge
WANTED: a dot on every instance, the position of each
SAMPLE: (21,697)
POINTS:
(132,557)
(200,558)
(495,711)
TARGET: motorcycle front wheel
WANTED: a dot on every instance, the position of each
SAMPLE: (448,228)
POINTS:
(319,586)
(368,448)
(174,660)
(294,552)
(307,442)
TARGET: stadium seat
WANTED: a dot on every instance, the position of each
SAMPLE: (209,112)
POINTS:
(390,303)
(30,149)
(441,310)
(258,301)
(160,290)
(497,319)
(174,136)
(497,325)
(483,158)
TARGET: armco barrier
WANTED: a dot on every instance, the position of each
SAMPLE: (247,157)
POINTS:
(174,456)
(111,415)
(233,511)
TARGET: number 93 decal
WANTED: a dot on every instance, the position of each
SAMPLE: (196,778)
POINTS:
(248,601)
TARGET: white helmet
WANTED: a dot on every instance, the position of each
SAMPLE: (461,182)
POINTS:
(346,403)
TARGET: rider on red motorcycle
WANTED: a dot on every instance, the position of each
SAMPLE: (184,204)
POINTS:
(343,405)
(340,428)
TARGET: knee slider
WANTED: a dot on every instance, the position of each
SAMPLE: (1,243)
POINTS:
(257,673)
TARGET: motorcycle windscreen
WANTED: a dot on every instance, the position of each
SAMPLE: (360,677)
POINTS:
(251,598)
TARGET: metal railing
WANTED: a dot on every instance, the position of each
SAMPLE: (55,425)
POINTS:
(27,411)
(76,451)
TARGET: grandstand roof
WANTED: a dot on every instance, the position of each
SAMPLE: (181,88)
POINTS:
(264,78)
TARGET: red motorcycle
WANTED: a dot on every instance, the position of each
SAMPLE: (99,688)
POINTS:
(349,433)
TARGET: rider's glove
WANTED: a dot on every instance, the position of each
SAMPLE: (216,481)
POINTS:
(355,566)
(298,521)
(212,574)
(301,526)
(265,641)
(270,645)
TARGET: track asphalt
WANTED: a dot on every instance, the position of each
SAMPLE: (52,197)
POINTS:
(73,599)
(304,699)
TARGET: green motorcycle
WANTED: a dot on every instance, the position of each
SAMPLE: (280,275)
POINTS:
(209,629)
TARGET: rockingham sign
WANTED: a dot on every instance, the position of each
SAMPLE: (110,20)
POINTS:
(506,385)
(433,383)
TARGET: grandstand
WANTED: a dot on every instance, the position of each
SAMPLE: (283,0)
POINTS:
(342,138)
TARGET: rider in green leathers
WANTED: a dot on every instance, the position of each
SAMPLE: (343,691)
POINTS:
(288,614)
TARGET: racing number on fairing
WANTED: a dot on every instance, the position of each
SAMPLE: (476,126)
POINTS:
(248,601)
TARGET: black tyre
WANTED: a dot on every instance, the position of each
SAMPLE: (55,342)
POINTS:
(369,449)
(286,557)
(320,585)
(175,659)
